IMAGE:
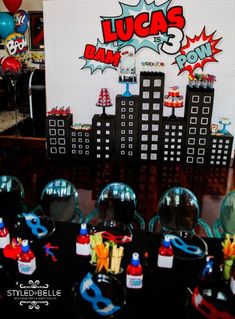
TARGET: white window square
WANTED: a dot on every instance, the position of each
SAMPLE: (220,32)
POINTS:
(157,83)
(145,106)
(122,145)
(201,151)
(195,98)
(154,138)
(123,110)
(173,140)
(53,150)
(61,132)
(156,106)
(86,140)
(192,130)
(167,133)
(107,124)
(203,131)
(131,102)
(123,152)
(180,127)
(98,148)
(166,152)
(98,156)
(179,147)
(146,83)
(80,146)
(200,160)
(74,140)
(153,157)
(123,132)
(193,120)
(107,155)
(180,134)
(172,146)
(98,123)
(131,109)
(52,131)
(130,139)
(227,142)
(87,152)
(53,141)
(191,141)
(224,163)
(79,133)
(61,123)
(144,127)
(98,132)
(178,159)
(213,151)
(194,109)
(172,133)
(226,146)
(123,139)
(61,141)
(212,162)
(143,156)
(204,120)
(171,159)
(52,123)
(173,127)
(156,95)
(189,159)
(145,95)
(225,152)
(178,153)
(219,151)
(73,134)
(166,140)
(98,140)
(80,140)
(144,137)
(155,128)
(207,99)
(155,117)
(145,117)
(131,117)
(87,134)
(220,146)
(107,148)
(130,132)
(144,147)
(202,141)
(123,102)
(167,127)
(154,147)
(123,124)
(221,141)
(87,147)
(107,132)
(172,153)
(205,110)
(107,140)
(165,158)
(130,153)
(62,150)
(73,152)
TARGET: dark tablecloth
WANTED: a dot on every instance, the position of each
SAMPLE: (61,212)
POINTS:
(164,290)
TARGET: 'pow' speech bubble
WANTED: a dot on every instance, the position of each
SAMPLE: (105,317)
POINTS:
(197,52)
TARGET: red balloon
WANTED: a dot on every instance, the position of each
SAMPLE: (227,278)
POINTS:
(12,5)
(11,64)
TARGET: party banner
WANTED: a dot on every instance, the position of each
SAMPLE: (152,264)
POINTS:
(148,25)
